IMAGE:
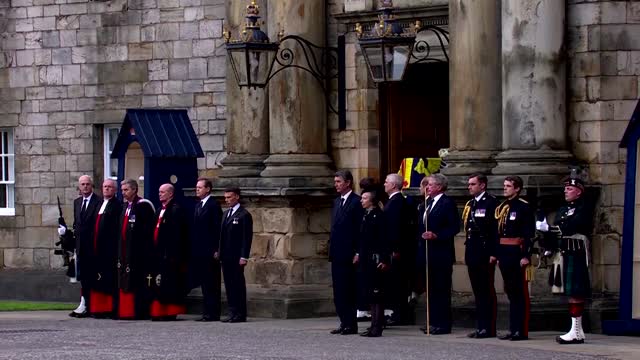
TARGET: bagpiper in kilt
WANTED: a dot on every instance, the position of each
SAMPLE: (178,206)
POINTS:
(570,272)
(516,227)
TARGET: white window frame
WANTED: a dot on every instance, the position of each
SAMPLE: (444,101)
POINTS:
(10,209)
(107,151)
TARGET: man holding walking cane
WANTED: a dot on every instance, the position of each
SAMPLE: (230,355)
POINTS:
(439,225)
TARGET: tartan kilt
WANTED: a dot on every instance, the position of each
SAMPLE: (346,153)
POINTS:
(576,275)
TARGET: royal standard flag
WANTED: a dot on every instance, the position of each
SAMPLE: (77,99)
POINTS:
(413,170)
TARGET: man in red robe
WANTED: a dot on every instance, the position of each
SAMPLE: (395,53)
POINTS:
(167,272)
(135,233)
(103,254)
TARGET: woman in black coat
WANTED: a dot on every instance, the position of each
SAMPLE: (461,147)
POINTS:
(374,256)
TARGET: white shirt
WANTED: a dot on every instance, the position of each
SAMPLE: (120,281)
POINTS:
(435,200)
(104,205)
(479,197)
(204,201)
(87,199)
(344,197)
(433,204)
(234,209)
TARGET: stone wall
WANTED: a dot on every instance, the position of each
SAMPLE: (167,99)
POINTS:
(604,66)
(69,66)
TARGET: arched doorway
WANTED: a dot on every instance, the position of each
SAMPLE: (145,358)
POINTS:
(414,115)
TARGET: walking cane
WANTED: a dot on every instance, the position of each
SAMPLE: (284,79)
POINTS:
(426,256)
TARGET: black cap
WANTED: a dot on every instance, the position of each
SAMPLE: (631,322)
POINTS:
(571,181)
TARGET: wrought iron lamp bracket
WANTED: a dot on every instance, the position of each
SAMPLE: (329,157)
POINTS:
(422,49)
(323,63)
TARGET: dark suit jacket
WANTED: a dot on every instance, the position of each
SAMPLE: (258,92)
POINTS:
(345,228)
(397,217)
(84,228)
(104,253)
(444,221)
(169,255)
(205,231)
(236,236)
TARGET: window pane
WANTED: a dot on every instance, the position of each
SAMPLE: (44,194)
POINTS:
(113,136)
(5,142)
(113,168)
(4,176)
(3,195)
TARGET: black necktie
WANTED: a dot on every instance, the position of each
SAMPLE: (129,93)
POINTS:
(199,208)
(229,213)
(83,209)
(429,205)
(342,201)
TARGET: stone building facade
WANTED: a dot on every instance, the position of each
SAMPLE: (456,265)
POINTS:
(532,86)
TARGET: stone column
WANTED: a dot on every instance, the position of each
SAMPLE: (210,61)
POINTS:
(474,86)
(247,110)
(297,108)
(533,88)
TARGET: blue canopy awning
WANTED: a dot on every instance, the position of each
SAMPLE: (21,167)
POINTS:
(162,133)
(633,126)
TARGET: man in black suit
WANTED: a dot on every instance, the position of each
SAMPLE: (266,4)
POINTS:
(398,227)
(481,244)
(104,253)
(345,227)
(205,244)
(440,224)
(85,211)
(235,248)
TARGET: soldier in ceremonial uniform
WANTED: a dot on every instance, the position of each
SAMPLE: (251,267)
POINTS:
(167,271)
(516,228)
(480,228)
(135,233)
(103,255)
(575,220)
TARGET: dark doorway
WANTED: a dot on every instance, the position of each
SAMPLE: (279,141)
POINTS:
(414,115)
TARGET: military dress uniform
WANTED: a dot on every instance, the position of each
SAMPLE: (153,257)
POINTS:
(481,243)
(570,272)
(516,227)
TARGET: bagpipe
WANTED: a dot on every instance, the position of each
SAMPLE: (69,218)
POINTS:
(67,243)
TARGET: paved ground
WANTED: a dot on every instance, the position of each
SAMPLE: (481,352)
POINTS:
(53,335)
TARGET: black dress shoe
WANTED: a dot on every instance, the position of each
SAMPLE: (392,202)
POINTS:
(479,334)
(337,330)
(517,336)
(505,336)
(440,331)
(227,319)
(349,331)
(208,319)
(372,333)
(237,319)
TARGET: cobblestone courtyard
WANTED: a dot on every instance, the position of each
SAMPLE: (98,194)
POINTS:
(53,335)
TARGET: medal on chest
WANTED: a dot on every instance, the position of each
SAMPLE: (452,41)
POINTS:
(480,213)
(512,215)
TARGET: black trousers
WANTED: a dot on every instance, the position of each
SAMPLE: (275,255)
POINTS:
(482,275)
(343,275)
(235,287)
(400,289)
(516,287)
(207,271)
(440,295)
